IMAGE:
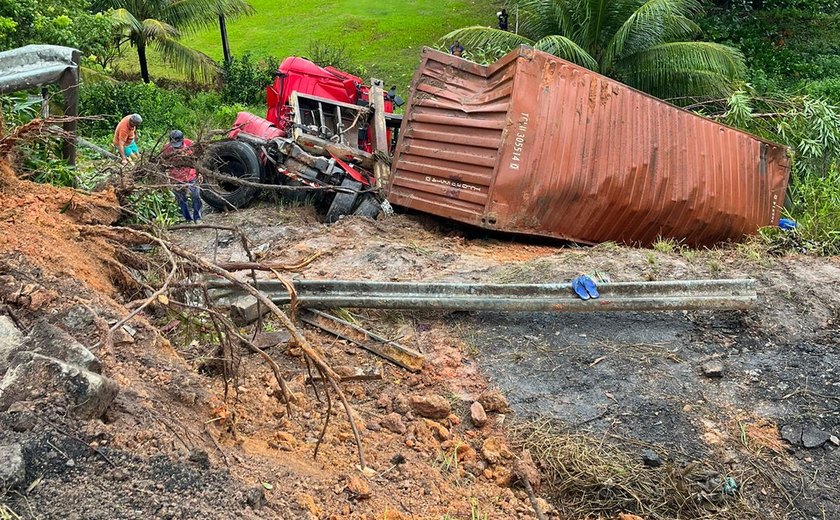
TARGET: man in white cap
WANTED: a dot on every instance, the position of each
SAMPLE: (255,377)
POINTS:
(184,178)
(125,137)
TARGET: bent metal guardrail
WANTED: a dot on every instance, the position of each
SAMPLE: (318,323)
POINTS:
(621,296)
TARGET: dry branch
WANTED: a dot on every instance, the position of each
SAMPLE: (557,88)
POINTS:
(197,263)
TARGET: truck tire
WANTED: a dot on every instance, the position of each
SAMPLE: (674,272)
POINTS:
(236,159)
(343,203)
(368,207)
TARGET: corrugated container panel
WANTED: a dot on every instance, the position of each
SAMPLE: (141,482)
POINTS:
(534,144)
(449,152)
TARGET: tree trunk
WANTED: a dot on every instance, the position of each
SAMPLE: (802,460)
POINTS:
(141,54)
(225,43)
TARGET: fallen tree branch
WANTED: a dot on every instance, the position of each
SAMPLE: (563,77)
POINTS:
(299,339)
(243,266)
(197,262)
(231,329)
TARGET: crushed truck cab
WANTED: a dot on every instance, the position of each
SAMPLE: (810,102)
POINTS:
(318,137)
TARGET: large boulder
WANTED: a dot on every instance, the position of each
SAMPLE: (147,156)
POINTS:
(32,376)
(50,341)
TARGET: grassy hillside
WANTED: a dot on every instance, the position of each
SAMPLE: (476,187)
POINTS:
(382,35)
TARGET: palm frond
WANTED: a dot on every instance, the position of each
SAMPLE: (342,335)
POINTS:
(565,48)
(478,37)
(653,23)
(597,12)
(683,69)
(195,64)
(193,15)
(125,21)
(154,29)
(538,18)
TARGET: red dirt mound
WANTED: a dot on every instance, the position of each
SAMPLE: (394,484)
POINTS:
(42,222)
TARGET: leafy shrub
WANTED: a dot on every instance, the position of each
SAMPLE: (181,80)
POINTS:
(162,109)
(55,22)
(335,54)
(245,79)
(155,206)
(815,205)
(17,109)
(826,89)
(788,44)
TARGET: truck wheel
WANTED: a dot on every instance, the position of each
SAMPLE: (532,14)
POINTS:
(368,207)
(236,159)
(343,203)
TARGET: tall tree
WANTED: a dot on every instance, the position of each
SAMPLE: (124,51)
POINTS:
(161,23)
(649,44)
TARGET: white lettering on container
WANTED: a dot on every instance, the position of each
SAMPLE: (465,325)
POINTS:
(519,141)
(453,184)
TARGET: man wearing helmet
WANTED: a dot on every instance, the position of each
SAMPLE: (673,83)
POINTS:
(125,137)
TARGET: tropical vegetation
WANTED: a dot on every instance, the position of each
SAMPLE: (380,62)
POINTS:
(161,24)
(649,44)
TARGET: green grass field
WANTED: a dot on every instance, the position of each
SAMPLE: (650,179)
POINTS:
(384,36)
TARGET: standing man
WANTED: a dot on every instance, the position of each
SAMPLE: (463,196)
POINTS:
(503,19)
(456,49)
(184,177)
(125,137)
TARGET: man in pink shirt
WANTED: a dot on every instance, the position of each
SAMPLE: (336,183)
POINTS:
(184,177)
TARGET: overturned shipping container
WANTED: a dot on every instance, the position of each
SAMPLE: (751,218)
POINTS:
(536,145)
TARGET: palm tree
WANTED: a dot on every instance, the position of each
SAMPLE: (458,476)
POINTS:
(647,44)
(161,23)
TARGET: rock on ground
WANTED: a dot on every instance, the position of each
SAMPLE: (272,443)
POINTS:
(358,487)
(813,437)
(53,342)
(12,469)
(495,450)
(712,369)
(11,338)
(651,459)
(32,376)
(477,414)
(525,470)
(431,406)
(393,422)
(494,401)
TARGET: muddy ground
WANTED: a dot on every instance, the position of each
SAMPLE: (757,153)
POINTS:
(635,376)
(634,380)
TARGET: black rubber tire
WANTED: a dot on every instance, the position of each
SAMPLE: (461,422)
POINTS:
(236,159)
(296,196)
(368,207)
(343,203)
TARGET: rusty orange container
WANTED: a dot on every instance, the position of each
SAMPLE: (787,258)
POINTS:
(536,145)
